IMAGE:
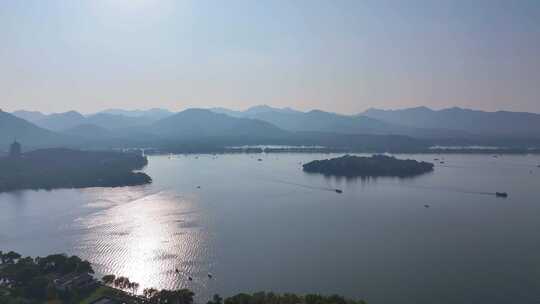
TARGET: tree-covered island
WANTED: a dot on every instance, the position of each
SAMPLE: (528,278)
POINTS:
(376,165)
(65,168)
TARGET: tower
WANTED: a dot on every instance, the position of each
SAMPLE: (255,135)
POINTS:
(15,149)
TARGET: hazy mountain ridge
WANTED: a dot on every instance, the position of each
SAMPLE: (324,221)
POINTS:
(15,128)
(321,121)
(89,131)
(193,123)
(109,119)
(153,114)
(61,121)
(252,111)
(415,128)
(501,123)
(31,116)
(314,120)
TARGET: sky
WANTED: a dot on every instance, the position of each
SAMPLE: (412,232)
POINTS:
(339,56)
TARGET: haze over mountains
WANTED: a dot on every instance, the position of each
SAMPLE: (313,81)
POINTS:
(266,125)
(110,119)
(472,121)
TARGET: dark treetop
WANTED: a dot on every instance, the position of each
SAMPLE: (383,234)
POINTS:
(64,168)
(376,165)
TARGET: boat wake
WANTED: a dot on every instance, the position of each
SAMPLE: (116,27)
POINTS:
(284,182)
(450,189)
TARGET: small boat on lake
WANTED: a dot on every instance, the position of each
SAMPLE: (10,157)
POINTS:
(338,191)
(426,206)
(501,194)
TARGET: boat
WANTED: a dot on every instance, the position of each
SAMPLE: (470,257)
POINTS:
(426,206)
(501,194)
(338,191)
(210,275)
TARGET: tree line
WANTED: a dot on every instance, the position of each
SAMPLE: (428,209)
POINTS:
(27,280)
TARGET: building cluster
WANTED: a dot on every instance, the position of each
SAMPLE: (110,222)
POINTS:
(75,281)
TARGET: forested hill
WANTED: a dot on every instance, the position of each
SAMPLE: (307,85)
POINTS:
(65,168)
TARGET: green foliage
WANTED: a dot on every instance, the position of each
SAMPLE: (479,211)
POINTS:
(9,258)
(150,292)
(180,296)
(28,280)
(377,165)
(108,279)
(37,288)
(216,299)
(64,168)
(287,298)
(62,264)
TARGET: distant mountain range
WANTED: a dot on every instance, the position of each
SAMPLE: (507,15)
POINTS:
(419,122)
(265,124)
(109,119)
(253,111)
(151,114)
(196,123)
(501,123)
(14,128)
(320,121)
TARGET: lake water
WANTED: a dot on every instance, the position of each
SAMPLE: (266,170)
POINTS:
(266,225)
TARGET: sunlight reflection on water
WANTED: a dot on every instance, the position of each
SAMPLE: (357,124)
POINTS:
(146,239)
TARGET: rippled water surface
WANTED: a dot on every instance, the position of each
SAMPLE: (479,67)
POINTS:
(266,225)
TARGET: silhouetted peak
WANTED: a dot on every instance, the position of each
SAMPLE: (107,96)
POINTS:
(421,108)
(266,108)
(316,111)
(197,111)
(261,108)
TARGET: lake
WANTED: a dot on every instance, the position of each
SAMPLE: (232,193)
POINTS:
(267,225)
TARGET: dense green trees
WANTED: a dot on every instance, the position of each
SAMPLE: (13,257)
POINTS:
(9,257)
(64,168)
(377,165)
(31,279)
(108,279)
(180,296)
(286,298)
(122,283)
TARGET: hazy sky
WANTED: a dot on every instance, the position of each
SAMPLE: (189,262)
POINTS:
(342,56)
